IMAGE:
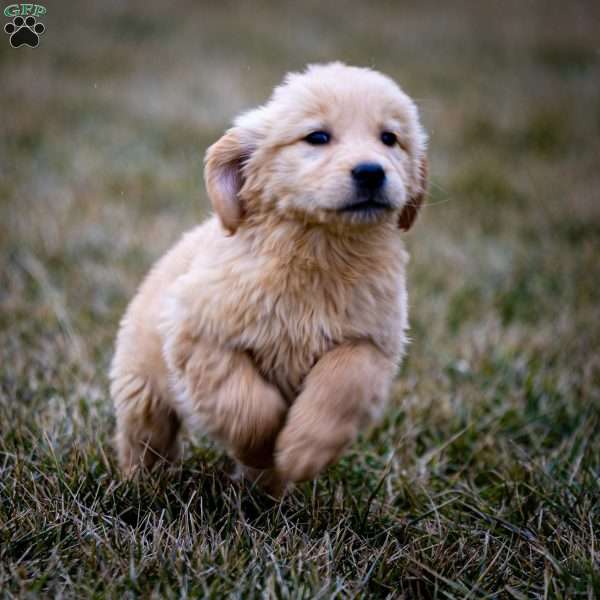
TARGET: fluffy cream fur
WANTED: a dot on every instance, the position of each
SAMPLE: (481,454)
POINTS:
(278,324)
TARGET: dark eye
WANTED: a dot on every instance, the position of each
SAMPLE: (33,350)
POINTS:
(317,138)
(389,138)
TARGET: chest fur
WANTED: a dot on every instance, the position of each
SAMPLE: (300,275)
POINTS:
(290,323)
(289,298)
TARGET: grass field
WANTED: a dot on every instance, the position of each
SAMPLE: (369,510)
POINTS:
(483,481)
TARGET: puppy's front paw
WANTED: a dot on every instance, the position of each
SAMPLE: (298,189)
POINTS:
(301,454)
(266,479)
(255,431)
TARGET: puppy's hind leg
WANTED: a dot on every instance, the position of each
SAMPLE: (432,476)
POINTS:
(147,426)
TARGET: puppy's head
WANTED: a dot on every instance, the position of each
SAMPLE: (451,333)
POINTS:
(333,145)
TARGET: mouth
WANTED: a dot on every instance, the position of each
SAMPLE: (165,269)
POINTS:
(368,206)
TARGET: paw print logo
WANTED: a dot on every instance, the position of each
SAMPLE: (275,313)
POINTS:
(24,31)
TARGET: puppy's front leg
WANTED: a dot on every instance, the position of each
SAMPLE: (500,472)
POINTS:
(235,405)
(342,393)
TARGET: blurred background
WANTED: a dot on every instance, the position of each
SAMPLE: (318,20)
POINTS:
(102,133)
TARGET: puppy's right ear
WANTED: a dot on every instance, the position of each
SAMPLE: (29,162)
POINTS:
(224,178)
(410,210)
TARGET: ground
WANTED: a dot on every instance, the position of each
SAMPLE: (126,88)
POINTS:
(483,480)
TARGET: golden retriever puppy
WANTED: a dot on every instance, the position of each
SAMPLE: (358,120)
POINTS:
(277,325)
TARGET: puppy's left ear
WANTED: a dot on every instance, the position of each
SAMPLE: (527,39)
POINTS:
(411,208)
(223,176)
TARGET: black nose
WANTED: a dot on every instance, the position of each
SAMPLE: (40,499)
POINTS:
(369,176)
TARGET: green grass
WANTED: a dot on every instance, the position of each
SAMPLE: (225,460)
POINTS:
(483,480)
